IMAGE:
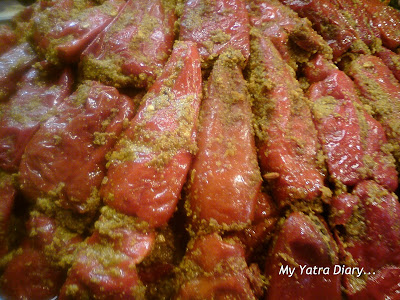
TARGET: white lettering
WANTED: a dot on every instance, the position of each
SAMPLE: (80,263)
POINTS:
(286,270)
(337,270)
(314,270)
(326,270)
(360,271)
(302,269)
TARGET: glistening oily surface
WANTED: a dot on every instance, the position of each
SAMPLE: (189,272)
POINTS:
(197,149)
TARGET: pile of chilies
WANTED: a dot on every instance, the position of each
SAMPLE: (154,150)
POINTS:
(222,149)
